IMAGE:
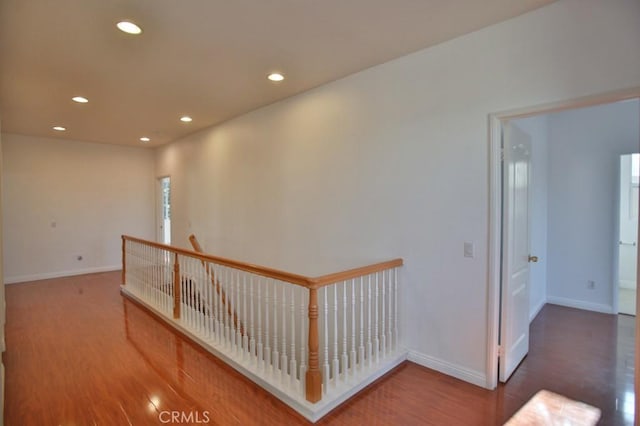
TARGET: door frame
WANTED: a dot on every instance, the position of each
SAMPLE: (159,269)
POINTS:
(616,242)
(495,125)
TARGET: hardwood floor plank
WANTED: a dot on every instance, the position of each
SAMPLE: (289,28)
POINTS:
(78,353)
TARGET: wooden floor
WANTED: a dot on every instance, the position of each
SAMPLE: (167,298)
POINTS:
(78,353)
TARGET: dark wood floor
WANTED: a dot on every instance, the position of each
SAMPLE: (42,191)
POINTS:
(80,354)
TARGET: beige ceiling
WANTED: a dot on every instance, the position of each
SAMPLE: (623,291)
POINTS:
(204,58)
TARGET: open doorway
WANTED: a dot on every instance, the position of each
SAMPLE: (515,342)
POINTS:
(515,318)
(628,232)
(164,210)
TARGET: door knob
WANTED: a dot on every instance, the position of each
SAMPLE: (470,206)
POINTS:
(533,259)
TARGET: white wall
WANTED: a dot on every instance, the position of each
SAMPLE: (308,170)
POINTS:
(585,146)
(93,193)
(393,161)
(537,128)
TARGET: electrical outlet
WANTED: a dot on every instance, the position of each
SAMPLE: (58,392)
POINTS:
(591,285)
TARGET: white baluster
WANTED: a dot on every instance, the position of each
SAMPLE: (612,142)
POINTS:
(395,309)
(141,274)
(383,337)
(182,286)
(150,277)
(184,276)
(361,347)
(204,283)
(275,356)
(144,273)
(231,304)
(369,348)
(193,292)
(147,277)
(132,268)
(345,357)
(389,300)
(325,343)
(217,294)
(156,280)
(303,341)
(376,339)
(259,348)
(160,279)
(352,354)
(335,364)
(243,319)
(198,282)
(155,283)
(199,295)
(238,319)
(168,274)
(211,301)
(194,295)
(226,307)
(293,367)
(283,355)
(187,292)
(176,286)
(216,270)
(195,323)
(252,334)
(223,304)
(161,283)
(267,340)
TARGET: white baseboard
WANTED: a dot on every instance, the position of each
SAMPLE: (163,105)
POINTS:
(580,304)
(49,275)
(534,313)
(474,377)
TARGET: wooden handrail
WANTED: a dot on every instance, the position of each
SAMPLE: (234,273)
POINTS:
(216,285)
(243,266)
(301,280)
(337,277)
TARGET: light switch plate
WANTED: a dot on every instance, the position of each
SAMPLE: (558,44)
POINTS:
(469,250)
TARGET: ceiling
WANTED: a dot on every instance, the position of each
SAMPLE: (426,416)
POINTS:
(204,58)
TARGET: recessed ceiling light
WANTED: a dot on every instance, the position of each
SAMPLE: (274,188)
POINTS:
(129,27)
(80,99)
(275,76)
(186,119)
(144,139)
(59,128)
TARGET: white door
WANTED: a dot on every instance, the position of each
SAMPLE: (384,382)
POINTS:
(514,328)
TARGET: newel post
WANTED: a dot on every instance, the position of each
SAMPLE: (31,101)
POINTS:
(124,261)
(313,378)
(176,288)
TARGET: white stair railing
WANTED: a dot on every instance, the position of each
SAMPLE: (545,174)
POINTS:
(307,340)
